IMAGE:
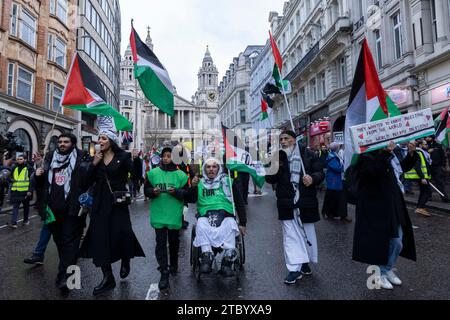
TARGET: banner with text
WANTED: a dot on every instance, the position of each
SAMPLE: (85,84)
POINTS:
(378,134)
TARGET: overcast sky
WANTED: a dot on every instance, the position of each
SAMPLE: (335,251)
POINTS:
(181,29)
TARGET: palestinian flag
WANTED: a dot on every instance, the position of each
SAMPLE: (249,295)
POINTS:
(85,93)
(152,76)
(267,99)
(442,124)
(239,160)
(264,114)
(368,100)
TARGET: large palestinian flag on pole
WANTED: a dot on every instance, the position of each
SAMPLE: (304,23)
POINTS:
(238,159)
(85,93)
(283,85)
(442,124)
(152,76)
(368,100)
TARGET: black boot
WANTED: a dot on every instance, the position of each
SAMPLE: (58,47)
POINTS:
(108,282)
(125,268)
(164,281)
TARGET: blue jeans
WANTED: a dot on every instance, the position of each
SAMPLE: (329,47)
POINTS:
(44,238)
(395,247)
(15,211)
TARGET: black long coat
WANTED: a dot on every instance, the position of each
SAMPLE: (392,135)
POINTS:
(308,203)
(380,209)
(110,236)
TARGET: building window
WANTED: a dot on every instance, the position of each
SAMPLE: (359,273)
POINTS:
(313,90)
(56,99)
(53,97)
(14,18)
(24,85)
(60,53)
(243,120)
(48,94)
(378,49)
(59,8)
(323,86)
(57,50)
(434,20)
(398,49)
(241,97)
(302,99)
(11,68)
(342,72)
(28,28)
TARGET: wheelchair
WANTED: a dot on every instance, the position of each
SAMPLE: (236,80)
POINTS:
(238,264)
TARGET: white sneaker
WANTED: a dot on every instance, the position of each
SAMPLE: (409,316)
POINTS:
(384,283)
(392,277)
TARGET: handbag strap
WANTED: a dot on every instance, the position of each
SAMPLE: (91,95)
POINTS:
(107,181)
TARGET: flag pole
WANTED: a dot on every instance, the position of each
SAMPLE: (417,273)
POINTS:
(292,124)
(231,189)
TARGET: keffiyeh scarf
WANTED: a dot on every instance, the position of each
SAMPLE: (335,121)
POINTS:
(59,161)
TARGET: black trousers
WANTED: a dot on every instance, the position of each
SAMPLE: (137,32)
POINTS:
(437,176)
(424,194)
(162,235)
(67,234)
(242,184)
(136,187)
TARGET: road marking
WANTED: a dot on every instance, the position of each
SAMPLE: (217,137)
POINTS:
(5,226)
(251,195)
(153,292)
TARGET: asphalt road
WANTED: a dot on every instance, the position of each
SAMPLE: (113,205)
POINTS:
(335,277)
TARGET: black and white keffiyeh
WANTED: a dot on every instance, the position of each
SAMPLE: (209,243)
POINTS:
(295,167)
(59,161)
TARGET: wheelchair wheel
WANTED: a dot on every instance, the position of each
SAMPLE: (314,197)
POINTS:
(195,256)
(240,246)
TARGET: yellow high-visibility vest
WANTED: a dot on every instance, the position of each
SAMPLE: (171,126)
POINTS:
(21,181)
(412,175)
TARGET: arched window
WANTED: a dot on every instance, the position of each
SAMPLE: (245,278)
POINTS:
(53,144)
(23,139)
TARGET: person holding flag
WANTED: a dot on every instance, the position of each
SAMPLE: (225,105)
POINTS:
(60,179)
(383,229)
(218,201)
(298,207)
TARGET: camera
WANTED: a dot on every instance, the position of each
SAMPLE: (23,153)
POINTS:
(9,143)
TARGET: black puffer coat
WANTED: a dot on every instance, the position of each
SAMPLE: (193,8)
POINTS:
(308,203)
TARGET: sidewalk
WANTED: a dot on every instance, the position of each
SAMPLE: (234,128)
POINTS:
(436,204)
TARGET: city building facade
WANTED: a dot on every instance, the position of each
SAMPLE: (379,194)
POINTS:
(320,41)
(98,39)
(196,121)
(37,41)
(234,90)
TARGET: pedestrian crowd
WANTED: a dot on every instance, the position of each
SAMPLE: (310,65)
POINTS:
(113,178)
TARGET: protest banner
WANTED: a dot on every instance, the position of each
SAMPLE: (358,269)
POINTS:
(377,134)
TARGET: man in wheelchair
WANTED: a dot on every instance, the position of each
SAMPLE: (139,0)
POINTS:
(216,225)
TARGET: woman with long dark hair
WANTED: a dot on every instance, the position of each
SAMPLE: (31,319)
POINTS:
(110,236)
